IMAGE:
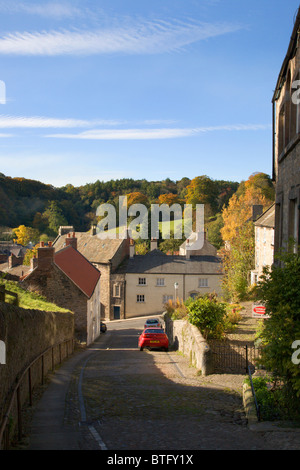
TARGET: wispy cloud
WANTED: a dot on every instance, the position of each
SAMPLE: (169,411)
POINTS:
(2,136)
(143,132)
(50,9)
(154,134)
(7,122)
(129,37)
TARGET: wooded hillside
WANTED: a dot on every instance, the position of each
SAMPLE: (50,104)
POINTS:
(44,207)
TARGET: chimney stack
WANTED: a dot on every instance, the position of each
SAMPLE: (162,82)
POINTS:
(131,248)
(153,245)
(45,255)
(187,249)
(63,230)
(71,240)
(33,263)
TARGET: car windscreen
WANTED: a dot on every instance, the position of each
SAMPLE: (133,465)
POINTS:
(149,322)
(154,330)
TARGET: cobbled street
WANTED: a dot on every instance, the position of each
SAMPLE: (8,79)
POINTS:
(120,398)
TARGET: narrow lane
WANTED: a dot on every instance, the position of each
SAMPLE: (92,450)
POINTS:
(115,397)
(149,400)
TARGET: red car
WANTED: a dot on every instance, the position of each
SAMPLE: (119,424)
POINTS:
(153,338)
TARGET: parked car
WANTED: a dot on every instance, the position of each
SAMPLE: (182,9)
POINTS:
(103,327)
(153,322)
(153,338)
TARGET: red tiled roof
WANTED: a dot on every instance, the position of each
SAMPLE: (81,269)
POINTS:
(78,269)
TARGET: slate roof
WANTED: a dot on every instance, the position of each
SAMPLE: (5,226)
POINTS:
(156,262)
(78,269)
(19,271)
(91,247)
(267,219)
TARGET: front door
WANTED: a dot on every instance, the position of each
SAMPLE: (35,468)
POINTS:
(116,312)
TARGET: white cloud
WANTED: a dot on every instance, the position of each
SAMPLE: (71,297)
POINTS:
(143,37)
(46,122)
(54,9)
(151,134)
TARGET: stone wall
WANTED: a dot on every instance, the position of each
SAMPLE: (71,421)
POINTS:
(26,334)
(187,339)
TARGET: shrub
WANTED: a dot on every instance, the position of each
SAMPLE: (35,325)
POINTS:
(279,290)
(208,315)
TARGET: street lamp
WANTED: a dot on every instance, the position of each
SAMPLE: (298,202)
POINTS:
(176,289)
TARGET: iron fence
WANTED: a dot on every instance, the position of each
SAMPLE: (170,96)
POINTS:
(234,358)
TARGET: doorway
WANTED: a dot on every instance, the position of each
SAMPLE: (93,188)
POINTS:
(117,312)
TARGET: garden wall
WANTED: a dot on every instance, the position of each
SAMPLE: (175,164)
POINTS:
(26,334)
(187,339)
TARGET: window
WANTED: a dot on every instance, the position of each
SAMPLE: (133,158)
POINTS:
(278,226)
(166,298)
(142,281)
(140,298)
(293,210)
(117,290)
(160,281)
(203,282)
(281,134)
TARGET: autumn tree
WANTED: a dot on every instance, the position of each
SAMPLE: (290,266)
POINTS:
(238,233)
(169,199)
(136,198)
(29,255)
(26,234)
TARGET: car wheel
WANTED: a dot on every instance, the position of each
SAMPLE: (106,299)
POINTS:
(166,349)
(141,349)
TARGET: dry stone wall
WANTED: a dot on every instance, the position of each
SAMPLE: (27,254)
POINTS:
(187,339)
(26,334)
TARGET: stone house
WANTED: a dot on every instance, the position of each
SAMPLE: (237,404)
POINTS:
(286,145)
(264,242)
(104,254)
(69,280)
(144,283)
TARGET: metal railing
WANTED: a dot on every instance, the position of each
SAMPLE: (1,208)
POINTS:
(257,406)
(15,399)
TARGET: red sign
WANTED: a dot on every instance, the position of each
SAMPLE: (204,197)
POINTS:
(258,311)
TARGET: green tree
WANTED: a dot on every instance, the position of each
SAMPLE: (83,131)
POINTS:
(214,227)
(54,216)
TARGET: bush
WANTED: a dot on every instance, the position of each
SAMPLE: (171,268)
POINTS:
(176,310)
(208,315)
(279,290)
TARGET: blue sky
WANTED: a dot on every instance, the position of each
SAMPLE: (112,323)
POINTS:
(109,89)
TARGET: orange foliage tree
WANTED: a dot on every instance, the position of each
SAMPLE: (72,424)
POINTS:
(169,199)
(238,234)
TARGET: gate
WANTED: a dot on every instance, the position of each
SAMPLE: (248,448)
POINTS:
(233,358)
